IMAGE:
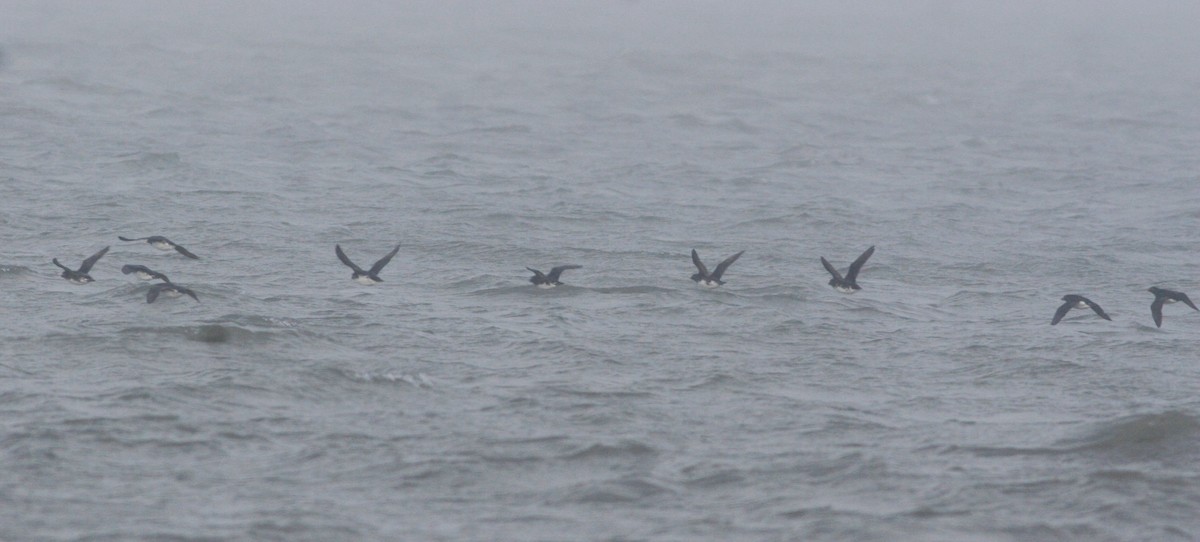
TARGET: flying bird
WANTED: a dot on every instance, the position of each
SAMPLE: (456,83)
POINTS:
(144,273)
(849,283)
(365,277)
(169,289)
(1072,301)
(162,243)
(1162,296)
(549,280)
(711,280)
(81,276)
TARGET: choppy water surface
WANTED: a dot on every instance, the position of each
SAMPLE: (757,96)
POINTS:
(996,160)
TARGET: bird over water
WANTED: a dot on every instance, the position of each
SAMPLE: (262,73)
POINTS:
(81,275)
(1163,296)
(1072,301)
(711,280)
(162,243)
(849,283)
(170,290)
(549,280)
(143,272)
(368,277)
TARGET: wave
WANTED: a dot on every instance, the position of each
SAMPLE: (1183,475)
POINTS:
(143,161)
(208,333)
(703,475)
(627,489)
(416,380)
(1165,436)
(632,290)
(624,448)
(1143,436)
(67,84)
(501,129)
(13,270)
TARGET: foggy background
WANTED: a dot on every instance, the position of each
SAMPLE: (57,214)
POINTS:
(998,155)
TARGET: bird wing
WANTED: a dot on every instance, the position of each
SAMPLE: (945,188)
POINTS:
(185,252)
(557,271)
(375,269)
(1095,307)
(153,293)
(342,256)
(1156,309)
(721,267)
(537,275)
(1062,311)
(128,239)
(699,264)
(64,268)
(189,292)
(1184,298)
(832,271)
(852,273)
(88,263)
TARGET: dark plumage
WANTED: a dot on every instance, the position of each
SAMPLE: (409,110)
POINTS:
(144,273)
(849,283)
(1072,301)
(1162,296)
(711,280)
(81,276)
(170,290)
(162,243)
(549,280)
(365,277)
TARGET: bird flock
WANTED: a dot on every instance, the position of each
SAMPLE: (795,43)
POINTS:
(847,283)
(166,287)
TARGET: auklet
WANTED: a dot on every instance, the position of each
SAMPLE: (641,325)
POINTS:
(81,276)
(162,243)
(849,283)
(711,280)
(366,277)
(551,280)
(1073,301)
(1162,296)
(169,289)
(144,273)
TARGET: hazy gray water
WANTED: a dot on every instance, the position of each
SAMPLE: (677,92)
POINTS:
(997,160)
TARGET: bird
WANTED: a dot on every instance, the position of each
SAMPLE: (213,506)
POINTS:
(169,289)
(366,277)
(81,276)
(551,280)
(162,243)
(711,280)
(144,273)
(849,283)
(1162,296)
(1073,301)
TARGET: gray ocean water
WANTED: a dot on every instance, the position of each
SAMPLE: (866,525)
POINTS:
(998,157)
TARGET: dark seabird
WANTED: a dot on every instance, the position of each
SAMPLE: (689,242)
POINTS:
(366,277)
(549,281)
(1161,296)
(144,273)
(169,289)
(849,283)
(1073,301)
(711,280)
(81,276)
(162,243)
